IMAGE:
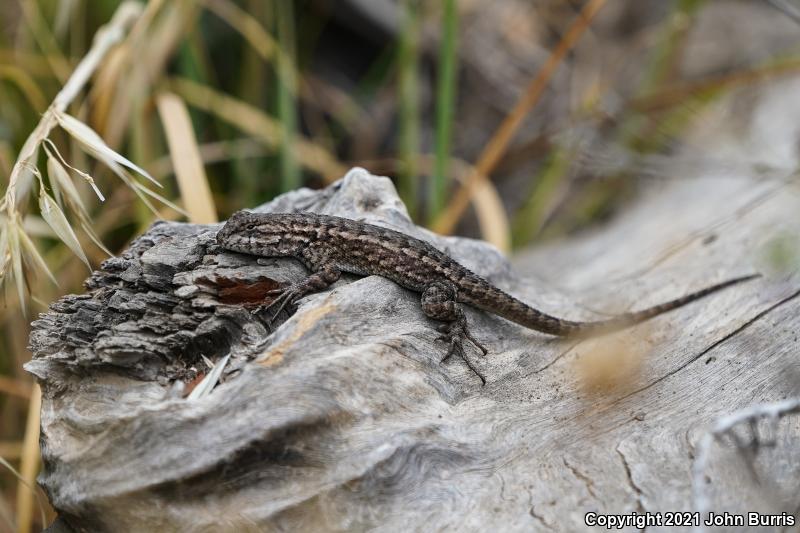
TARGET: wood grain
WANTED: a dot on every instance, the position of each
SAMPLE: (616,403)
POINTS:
(344,418)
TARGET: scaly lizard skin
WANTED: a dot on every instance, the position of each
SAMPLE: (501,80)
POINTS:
(329,245)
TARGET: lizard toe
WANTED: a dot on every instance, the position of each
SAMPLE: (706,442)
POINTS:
(456,336)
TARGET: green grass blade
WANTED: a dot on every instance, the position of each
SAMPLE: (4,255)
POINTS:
(408,65)
(445,106)
(529,221)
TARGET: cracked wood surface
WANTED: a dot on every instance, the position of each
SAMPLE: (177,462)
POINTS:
(343,418)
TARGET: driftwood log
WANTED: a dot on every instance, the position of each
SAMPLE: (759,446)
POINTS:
(343,418)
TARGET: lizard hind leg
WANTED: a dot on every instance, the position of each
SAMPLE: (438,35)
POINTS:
(439,303)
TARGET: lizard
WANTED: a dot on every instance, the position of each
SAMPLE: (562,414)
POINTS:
(328,246)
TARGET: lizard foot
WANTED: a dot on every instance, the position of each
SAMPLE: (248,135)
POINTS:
(460,328)
(455,332)
(284,297)
(439,302)
(289,295)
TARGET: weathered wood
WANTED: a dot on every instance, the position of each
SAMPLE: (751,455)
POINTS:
(343,418)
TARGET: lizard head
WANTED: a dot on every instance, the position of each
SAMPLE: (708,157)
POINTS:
(263,234)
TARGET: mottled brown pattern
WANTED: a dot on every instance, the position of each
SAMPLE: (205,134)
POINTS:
(337,244)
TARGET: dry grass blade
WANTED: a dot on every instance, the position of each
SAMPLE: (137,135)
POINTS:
(143,192)
(67,195)
(119,169)
(137,64)
(35,64)
(51,149)
(104,87)
(213,152)
(95,145)
(28,489)
(56,179)
(257,123)
(489,209)
(15,254)
(10,451)
(211,379)
(677,94)
(63,188)
(66,9)
(25,183)
(247,25)
(18,247)
(5,514)
(14,387)
(87,228)
(6,158)
(186,160)
(56,219)
(26,84)
(21,169)
(498,144)
(45,39)
(34,259)
(35,226)
(21,176)
(29,466)
(5,253)
(491,216)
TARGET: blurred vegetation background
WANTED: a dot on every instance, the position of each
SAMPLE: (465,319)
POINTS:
(512,121)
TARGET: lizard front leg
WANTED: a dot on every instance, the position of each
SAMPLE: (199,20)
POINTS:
(439,302)
(322,278)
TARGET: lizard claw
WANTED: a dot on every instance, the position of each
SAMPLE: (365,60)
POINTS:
(286,296)
(477,344)
(450,350)
(456,333)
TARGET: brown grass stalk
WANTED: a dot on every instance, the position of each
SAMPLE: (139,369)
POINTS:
(107,37)
(498,144)
(186,160)
(260,125)
(492,217)
(15,387)
(675,94)
(10,451)
(29,464)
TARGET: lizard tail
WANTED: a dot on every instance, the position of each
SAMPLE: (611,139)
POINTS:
(567,327)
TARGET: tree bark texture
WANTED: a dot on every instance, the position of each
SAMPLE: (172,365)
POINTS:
(341,416)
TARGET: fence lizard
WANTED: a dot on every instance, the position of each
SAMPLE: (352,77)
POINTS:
(329,245)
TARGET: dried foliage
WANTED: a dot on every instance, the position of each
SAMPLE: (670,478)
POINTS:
(530,114)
